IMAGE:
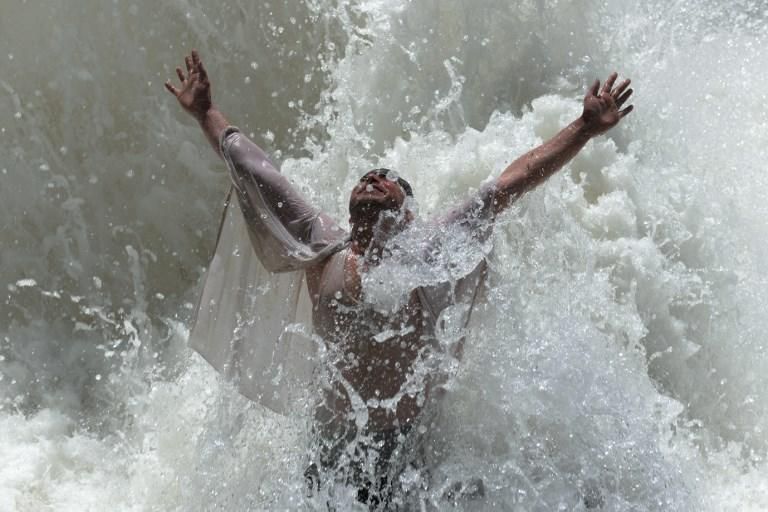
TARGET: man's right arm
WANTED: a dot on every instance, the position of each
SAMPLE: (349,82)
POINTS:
(213,124)
(287,232)
(194,96)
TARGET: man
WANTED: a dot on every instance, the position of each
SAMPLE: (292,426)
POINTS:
(380,381)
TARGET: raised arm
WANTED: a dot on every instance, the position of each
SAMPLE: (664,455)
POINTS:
(602,111)
(287,233)
(194,96)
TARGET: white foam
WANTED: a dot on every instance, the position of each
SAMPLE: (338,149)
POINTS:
(623,352)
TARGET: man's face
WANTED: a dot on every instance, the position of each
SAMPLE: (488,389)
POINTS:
(376,192)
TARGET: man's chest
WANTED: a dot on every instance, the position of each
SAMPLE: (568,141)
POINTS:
(341,311)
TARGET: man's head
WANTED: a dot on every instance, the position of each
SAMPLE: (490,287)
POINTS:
(378,190)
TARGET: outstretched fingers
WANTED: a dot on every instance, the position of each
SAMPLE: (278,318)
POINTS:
(593,90)
(621,88)
(608,85)
(623,98)
(182,78)
(197,65)
(626,111)
(201,70)
(195,74)
(169,86)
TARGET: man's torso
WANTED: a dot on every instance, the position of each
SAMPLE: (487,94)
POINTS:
(374,352)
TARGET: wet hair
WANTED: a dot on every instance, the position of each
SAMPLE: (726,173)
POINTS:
(400,181)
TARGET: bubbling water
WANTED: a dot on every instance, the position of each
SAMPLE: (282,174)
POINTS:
(618,358)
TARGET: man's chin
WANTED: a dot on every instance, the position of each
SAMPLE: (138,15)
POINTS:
(367,206)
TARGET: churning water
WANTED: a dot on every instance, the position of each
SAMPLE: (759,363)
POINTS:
(620,360)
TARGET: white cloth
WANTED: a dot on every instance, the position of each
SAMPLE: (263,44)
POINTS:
(253,320)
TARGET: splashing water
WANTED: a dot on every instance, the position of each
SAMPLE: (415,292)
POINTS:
(618,359)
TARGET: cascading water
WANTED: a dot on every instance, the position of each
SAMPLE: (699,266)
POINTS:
(618,359)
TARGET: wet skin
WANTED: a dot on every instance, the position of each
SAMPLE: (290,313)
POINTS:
(376,370)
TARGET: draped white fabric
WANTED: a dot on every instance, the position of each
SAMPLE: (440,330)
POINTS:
(254,318)
(253,325)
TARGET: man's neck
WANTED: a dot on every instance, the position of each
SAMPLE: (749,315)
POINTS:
(367,239)
(370,235)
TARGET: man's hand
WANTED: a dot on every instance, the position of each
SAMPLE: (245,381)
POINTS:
(601,109)
(195,97)
(601,113)
(195,93)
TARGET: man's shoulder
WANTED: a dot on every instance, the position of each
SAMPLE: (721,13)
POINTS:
(314,273)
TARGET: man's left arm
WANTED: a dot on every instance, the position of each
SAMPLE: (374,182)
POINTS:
(602,111)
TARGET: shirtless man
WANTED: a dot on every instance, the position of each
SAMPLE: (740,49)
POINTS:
(337,263)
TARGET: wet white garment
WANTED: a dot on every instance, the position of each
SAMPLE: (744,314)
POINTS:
(253,319)
(253,322)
